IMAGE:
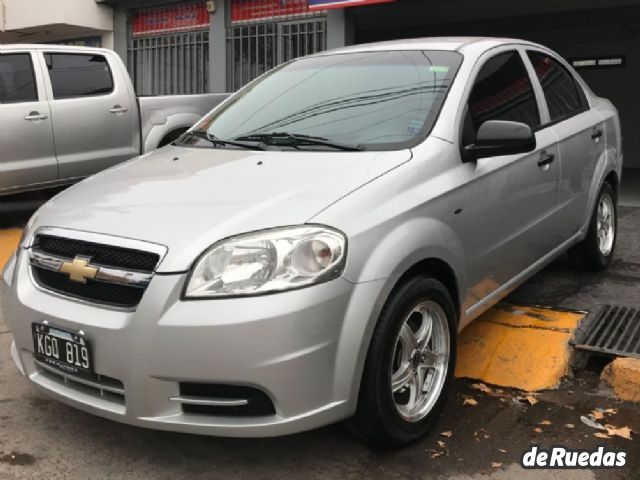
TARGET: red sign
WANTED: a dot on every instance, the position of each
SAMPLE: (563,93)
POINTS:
(174,18)
(247,10)
(326,4)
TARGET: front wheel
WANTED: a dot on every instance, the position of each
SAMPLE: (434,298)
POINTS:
(595,252)
(409,365)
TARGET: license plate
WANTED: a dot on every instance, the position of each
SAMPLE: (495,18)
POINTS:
(61,349)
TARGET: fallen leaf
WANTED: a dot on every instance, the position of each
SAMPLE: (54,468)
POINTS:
(611,411)
(531,399)
(545,422)
(502,450)
(447,434)
(441,444)
(597,415)
(483,388)
(436,454)
(570,425)
(537,430)
(601,435)
(624,432)
(469,402)
(496,465)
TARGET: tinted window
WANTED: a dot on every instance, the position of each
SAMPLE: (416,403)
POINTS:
(380,100)
(17,83)
(502,91)
(560,89)
(74,75)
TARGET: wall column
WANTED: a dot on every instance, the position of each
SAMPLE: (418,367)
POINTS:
(218,48)
(340,32)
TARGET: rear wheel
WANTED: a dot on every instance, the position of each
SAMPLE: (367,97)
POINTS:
(409,365)
(595,252)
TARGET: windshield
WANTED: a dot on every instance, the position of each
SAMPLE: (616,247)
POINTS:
(373,100)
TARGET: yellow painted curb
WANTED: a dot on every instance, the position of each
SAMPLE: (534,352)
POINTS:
(8,242)
(518,347)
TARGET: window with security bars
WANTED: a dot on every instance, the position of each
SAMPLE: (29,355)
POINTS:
(261,34)
(171,64)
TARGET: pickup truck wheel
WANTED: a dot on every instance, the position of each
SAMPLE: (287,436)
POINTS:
(595,252)
(409,365)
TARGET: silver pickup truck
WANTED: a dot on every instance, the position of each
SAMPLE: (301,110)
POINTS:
(69,112)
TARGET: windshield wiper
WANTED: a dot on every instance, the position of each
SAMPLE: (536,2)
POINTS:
(215,141)
(295,139)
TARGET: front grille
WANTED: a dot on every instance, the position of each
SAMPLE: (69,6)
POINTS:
(258,402)
(109,256)
(100,291)
(98,386)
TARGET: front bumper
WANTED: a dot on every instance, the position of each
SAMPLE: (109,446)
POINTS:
(304,349)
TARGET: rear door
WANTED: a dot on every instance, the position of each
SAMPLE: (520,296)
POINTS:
(28,155)
(580,131)
(94,120)
(511,199)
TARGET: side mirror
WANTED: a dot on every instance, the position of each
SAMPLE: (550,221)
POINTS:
(500,137)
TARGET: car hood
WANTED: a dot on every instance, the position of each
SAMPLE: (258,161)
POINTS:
(189,198)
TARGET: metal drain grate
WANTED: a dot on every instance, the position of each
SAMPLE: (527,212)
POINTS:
(612,330)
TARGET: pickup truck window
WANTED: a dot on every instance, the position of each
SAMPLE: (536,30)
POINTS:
(383,100)
(78,75)
(17,82)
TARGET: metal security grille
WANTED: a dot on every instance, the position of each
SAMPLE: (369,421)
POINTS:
(611,330)
(252,50)
(172,64)
(263,33)
(304,38)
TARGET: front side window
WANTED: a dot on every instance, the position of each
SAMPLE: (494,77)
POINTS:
(560,89)
(78,75)
(375,100)
(17,81)
(502,91)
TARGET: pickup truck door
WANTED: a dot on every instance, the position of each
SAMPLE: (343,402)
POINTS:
(28,155)
(95,122)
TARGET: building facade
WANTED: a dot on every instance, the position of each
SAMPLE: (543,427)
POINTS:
(72,22)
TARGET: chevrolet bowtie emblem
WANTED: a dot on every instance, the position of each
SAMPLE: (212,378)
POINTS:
(79,269)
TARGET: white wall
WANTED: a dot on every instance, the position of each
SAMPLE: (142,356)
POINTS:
(50,20)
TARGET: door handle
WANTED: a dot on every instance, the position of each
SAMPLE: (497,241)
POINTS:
(35,116)
(546,159)
(117,109)
(596,135)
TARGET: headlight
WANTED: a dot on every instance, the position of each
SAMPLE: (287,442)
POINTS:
(268,261)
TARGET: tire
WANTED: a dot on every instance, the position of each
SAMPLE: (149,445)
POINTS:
(381,419)
(592,253)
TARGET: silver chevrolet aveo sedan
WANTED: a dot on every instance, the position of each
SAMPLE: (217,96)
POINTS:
(308,252)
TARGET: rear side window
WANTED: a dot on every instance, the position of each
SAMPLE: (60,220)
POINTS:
(78,75)
(564,97)
(17,81)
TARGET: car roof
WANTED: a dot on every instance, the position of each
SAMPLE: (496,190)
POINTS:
(48,46)
(434,43)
